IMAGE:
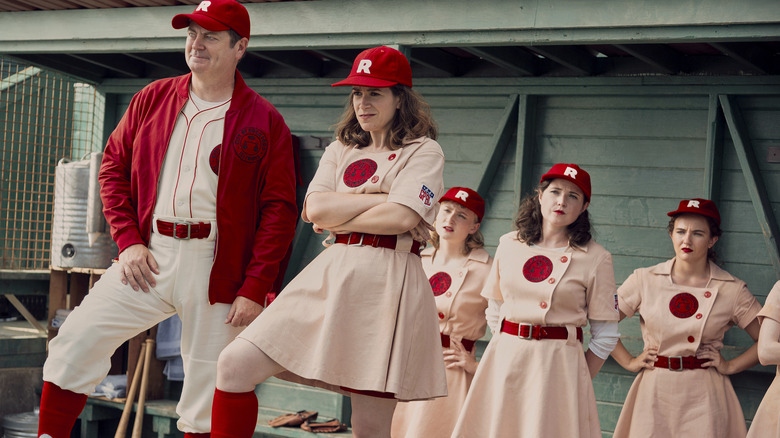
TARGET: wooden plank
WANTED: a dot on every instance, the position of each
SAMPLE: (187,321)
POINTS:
(611,123)
(25,313)
(524,150)
(755,183)
(497,146)
(713,151)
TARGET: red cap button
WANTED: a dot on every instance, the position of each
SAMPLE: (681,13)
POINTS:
(441,315)
(698,316)
(543,304)
(691,339)
(707,294)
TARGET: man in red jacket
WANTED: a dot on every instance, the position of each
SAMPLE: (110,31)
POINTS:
(198,186)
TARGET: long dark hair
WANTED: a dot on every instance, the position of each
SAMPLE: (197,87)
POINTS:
(412,120)
(529,221)
(714,231)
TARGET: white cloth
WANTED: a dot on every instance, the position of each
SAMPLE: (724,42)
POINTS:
(604,336)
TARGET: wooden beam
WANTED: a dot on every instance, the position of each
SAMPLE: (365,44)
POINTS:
(437,59)
(662,58)
(755,184)
(25,313)
(299,61)
(713,153)
(175,63)
(511,58)
(119,64)
(497,146)
(574,58)
(526,122)
(748,55)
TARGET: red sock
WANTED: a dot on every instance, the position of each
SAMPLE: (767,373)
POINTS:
(233,414)
(197,435)
(59,410)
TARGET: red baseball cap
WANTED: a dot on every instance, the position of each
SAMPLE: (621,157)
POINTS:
(217,15)
(704,207)
(571,172)
(379,67)
(467,198)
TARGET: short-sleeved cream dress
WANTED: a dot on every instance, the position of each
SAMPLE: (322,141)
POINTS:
(540,388)
(766,423)
(362,318)
(461,313)
(680,321)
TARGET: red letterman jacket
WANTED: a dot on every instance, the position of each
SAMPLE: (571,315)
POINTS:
(256,208)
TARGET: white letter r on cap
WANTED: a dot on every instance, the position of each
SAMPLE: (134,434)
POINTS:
(203,6)
(462,195)
(570,172)
(694,204)
(364,66)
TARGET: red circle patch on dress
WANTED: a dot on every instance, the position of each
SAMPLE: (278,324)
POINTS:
(250,144)
(537,268)
(440,282)
(683,305)
(214,159)
(359,172)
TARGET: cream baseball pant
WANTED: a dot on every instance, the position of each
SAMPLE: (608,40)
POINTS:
(111,313)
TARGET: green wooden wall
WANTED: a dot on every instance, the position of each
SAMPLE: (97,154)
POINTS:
(647,143)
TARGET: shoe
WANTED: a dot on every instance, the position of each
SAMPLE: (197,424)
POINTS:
(295,419)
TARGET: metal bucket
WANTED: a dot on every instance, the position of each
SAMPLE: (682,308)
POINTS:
(22,425)
(74,218)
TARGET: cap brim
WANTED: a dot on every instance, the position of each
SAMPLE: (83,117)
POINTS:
(183,20)
(364,81)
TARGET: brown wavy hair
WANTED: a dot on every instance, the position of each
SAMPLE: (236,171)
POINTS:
(529,221)
(714,231)
(412,120)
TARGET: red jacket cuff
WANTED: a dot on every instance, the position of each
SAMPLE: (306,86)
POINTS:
(255,289)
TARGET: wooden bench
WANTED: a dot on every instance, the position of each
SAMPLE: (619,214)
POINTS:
(101,416)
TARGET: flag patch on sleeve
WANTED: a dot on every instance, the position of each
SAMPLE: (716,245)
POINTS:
(426,196)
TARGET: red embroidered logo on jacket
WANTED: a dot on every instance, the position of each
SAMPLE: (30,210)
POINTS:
(359,172)
(683,305)
(250,144)
(214,159)
(537,268)
(440,282)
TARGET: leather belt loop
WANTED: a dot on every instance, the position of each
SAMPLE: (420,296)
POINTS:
(375,240)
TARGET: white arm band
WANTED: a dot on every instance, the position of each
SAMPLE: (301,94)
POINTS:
(604,335)
(493,314)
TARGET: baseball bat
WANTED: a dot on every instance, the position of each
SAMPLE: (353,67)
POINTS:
(139,413)
(122,428)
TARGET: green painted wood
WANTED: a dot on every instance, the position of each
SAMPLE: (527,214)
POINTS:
(714,150)
(495,22)
(524,151)
(755,184)
(498,145)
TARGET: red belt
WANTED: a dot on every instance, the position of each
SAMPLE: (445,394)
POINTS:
(468,344)
(531,331)
(375,240)
(679,363)
(184,230)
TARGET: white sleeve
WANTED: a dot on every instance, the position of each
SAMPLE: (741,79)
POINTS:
(493,314)
(604,335)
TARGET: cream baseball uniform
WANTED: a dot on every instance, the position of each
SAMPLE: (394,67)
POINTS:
(186,192)
(766,423)
(361,317)
(540,388)
(461,313)
(680,321)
